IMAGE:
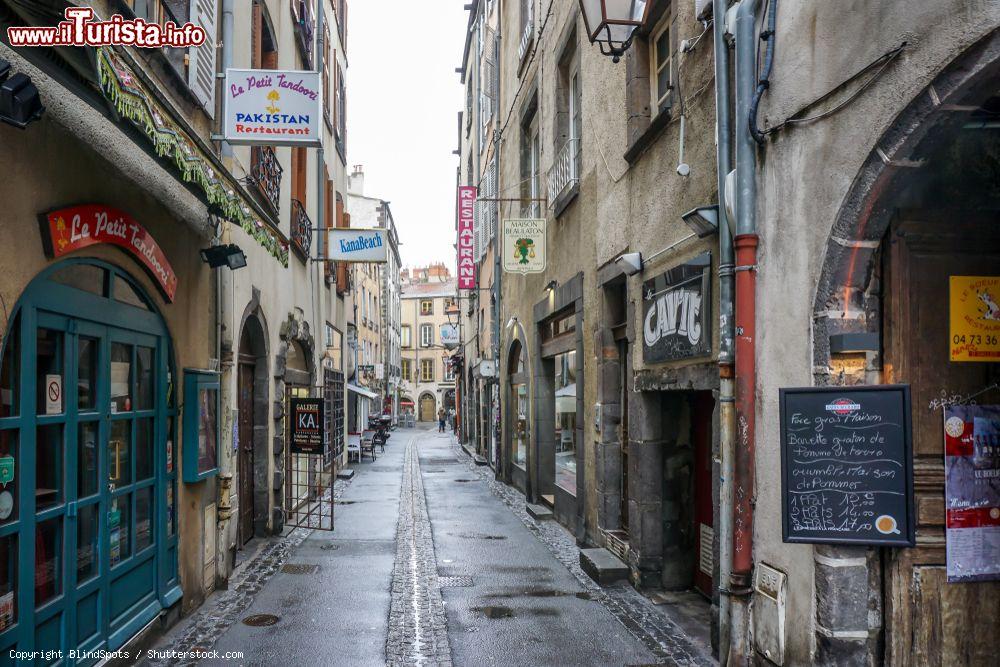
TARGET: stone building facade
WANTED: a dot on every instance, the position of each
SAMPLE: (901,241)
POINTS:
(867,182)
(429,332)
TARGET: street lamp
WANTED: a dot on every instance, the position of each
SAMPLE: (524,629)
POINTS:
(611,24)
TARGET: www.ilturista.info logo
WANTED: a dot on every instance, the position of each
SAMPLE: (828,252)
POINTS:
(80,29)
(843,406)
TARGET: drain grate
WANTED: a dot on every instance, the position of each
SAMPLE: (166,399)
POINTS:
(260,620)
(460,581)
(330,547)
(300,568)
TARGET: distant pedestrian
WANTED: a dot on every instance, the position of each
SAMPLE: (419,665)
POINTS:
(440,420)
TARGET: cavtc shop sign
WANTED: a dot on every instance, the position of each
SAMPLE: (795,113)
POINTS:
(70,229)
(274,108)
(676,312)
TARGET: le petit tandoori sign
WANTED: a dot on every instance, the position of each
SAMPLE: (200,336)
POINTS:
(69,229)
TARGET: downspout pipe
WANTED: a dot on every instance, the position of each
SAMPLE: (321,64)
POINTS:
(740,580)
(727,420)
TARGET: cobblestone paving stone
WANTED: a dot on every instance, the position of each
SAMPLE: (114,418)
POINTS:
(202,630)
(661,635)
(418,625)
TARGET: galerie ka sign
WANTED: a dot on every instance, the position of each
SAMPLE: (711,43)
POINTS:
(676,312)
(308,426)
(78,227)
(274,108)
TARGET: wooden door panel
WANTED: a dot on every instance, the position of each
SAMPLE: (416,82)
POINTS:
(929,621)
(245,454)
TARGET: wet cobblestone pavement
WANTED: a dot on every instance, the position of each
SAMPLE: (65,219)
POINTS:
(643,619)
(433,562)
(418,627)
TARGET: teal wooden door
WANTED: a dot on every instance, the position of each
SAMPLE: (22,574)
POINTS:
(88,552)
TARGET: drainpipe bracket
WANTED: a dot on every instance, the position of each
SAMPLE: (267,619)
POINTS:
(748,267)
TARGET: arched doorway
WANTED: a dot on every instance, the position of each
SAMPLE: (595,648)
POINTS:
(920,220)
(88,538)
(428,408)
(252,399)
(517,415)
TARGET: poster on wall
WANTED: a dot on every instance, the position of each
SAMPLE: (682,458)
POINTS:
(972,492)
(676,308)
(524,248)
(975,318)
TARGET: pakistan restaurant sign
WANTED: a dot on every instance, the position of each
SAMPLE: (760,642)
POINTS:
(271,107)
(676,308)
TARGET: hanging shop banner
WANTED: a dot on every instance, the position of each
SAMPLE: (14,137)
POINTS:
(467,236)
(273,108)
(677,305)
(69,229)
(524,245)
(847,465)
(449,335)
(308,426)
(357,245)
(975,318)
(972,491)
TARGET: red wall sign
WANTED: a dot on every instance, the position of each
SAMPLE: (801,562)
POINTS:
(70,229)
(466,237)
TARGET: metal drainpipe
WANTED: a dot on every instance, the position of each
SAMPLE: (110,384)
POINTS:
(727,421)
(319,268)
(497,274)
(224,339)
(746,260)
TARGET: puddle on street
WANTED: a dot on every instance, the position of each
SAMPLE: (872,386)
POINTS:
(543,593)
(494,611)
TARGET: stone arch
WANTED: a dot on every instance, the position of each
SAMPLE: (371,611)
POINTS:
(514,372)
(253,350)
(425,413)
(844,295)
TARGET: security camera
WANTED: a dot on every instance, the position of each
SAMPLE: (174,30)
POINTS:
(631,263)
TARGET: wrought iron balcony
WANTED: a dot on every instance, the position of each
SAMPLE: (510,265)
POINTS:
(527,38)
(265,174)
(301,232)
(563,174)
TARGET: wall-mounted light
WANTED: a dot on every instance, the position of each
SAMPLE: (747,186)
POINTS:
(551,287)
(20,103)
(854,343)
(224,255)
(630,262)
(611,24)
(703,221)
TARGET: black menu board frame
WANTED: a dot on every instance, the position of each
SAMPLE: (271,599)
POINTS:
(847,396)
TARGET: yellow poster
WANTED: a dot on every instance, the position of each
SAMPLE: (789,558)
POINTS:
(975,318)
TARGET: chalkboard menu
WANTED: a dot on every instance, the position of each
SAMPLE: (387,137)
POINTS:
(847,465)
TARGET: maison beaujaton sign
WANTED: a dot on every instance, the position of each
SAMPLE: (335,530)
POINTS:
(676,307)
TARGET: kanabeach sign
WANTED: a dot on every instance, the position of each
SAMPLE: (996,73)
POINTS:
(358,245)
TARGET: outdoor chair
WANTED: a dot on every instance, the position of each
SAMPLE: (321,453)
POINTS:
(368,444)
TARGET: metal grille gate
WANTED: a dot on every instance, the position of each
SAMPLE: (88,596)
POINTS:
(309,479)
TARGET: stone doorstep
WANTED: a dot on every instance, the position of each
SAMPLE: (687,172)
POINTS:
(469,450)
(480,461)
(346,473)
(538,512)
(602,566)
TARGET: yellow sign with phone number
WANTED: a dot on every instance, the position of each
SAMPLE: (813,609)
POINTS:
(975,318)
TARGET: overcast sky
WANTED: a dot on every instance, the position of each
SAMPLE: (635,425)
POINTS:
(402,125)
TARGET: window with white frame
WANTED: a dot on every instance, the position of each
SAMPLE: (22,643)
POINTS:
(661,66)
(426,335)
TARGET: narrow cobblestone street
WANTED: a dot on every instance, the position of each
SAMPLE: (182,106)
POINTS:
(433,563)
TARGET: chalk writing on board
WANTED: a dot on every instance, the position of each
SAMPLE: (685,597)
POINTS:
(845,464)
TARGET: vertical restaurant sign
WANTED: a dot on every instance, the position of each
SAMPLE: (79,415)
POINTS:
(975,318)
(272,107)
(466,237)
(524,245)
(308,426)
(972,491)
(676,308)
(69,229)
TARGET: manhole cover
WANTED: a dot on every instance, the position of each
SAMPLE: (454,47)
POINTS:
(460,581)
(463,481)
(260,620)
(330,547)
(299,568)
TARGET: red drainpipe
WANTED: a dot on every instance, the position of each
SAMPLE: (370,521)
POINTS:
(746,403)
